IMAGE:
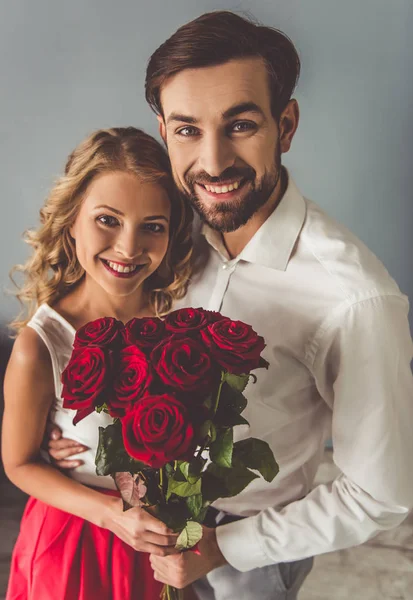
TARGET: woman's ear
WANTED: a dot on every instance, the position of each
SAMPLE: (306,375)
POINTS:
(72,232)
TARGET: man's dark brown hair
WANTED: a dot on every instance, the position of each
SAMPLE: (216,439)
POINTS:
(217,37)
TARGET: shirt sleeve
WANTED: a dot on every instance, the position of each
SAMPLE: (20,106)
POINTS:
(362,370)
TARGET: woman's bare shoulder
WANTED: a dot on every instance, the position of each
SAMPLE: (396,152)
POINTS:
(30,356)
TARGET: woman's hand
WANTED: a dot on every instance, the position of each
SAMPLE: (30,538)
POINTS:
(139,529)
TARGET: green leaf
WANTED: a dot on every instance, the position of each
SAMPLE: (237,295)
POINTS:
(189,536)
(192,471)
(221,482)
(227,416)
(213,487)
(195,505)
(183,488)
(212,432)
(208,401)
(102,408)
(204,429)
(237,382)
(111,455)
(220,451)
(256,454)
(232,398)
(174,514)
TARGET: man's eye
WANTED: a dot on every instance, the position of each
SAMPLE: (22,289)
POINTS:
(188,131)
(241,126)
(154,227)
(107,220)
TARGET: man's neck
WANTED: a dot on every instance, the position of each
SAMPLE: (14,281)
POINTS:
(235,241)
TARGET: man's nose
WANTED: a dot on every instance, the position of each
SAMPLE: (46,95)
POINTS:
(216,155)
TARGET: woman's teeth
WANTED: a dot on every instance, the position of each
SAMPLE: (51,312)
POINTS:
(121,268)
(223,188)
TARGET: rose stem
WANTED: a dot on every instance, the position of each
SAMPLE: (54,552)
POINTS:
(216,404)
(219,392)
(161,482)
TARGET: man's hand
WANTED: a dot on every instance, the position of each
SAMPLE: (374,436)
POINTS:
(180,570)
(60,449)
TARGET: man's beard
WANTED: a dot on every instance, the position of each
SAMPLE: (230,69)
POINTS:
(230,216)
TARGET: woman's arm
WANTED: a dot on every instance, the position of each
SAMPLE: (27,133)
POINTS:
(29,394)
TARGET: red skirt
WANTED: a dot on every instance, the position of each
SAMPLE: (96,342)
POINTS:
(58,556)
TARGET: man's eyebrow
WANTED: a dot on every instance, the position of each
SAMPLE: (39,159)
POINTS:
(238,109)
(181,118)
(242,108)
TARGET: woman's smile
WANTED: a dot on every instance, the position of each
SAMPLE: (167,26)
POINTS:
(123,270)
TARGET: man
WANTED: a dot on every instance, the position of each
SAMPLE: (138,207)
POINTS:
(334,321)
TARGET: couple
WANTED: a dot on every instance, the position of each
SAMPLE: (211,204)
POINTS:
(115,240)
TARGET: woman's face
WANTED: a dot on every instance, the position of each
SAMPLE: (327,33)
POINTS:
(122,231)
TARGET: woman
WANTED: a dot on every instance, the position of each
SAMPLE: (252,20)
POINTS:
(114,241)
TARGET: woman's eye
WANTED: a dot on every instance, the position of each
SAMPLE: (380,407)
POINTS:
(154,227)
(242,126)
(187,131)
(108,220)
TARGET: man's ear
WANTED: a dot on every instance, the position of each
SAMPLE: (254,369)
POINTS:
(162,128)
(288,124)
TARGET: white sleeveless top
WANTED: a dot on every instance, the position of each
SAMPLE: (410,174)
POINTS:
(58,335)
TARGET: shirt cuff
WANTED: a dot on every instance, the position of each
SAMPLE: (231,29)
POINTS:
(240,545)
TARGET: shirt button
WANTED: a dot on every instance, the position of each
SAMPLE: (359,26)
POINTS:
(225,266)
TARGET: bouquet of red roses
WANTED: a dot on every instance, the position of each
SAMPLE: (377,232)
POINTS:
(174,388)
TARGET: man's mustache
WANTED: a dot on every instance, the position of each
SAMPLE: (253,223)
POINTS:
(231,173)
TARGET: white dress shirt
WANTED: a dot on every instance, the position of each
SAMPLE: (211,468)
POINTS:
(339,348)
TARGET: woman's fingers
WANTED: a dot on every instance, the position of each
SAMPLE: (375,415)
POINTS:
(167,541)
(151,523)
(154,549)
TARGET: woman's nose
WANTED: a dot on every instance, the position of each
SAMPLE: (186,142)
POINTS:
(128,245)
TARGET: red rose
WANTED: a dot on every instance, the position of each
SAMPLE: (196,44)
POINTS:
(85,380)
(133,376)
(234,345)
(145,333)
(158,430)
(213,315)
(186,319)
(183,363)
(101,332)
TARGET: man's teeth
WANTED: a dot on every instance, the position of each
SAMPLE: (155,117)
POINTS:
(222,189)
(121,268)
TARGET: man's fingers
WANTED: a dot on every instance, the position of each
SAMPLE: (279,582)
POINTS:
(65,444)
(53,431)
(68,464)
(66,452)
(164,563)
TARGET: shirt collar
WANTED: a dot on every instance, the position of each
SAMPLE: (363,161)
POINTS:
(273,243)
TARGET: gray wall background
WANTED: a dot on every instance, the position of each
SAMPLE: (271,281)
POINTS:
(68,67)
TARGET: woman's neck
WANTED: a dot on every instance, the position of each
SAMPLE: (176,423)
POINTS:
(86,304)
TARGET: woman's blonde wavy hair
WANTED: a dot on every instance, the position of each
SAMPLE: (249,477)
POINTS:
(53,268)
